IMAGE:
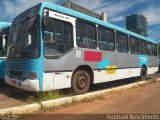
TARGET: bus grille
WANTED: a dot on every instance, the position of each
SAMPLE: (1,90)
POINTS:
(18,65)
(16,69)
(16,73)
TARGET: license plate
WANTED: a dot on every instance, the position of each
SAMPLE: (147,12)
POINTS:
(14,82)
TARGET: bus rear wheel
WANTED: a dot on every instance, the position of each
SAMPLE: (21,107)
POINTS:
(143,74)
(80,82)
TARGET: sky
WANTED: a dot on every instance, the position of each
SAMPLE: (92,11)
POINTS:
(117,10)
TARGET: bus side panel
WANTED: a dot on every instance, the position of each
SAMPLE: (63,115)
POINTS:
(153,61)
(56,80)
(153,65)
(121,65)
(58,72)
(111,66)
(117,74)
(152,70)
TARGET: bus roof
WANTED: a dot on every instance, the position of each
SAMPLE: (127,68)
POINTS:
(4,24)
(82,16)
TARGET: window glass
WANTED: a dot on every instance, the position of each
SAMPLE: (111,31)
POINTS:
(57,36)
(133,45)
(24,39)
(121,42)
(85,35)
(149,48)
(142,46)
(105,39)
(154,49)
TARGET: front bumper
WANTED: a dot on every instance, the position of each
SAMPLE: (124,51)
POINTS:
(28,84)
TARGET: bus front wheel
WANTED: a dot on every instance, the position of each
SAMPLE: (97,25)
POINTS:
(80,82)
(143,74)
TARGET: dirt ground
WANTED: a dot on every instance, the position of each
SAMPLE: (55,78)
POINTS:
(142,100)
(10,96)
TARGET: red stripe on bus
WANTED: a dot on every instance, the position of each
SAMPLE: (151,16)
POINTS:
(92,56)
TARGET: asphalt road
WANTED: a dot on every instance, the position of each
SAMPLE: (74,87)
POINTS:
(142,100)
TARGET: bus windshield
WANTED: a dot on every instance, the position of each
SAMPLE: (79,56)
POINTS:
(24,39)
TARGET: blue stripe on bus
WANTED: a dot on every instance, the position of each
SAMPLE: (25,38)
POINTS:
(103,64)
(143,60)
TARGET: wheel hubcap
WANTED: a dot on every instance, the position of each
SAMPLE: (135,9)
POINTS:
(81,82)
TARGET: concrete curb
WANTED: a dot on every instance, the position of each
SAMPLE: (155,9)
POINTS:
(157,80)
(24,109)
(27,109)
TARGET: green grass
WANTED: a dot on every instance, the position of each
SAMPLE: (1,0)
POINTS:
(42,96)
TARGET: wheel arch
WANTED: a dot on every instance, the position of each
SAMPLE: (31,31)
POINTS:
(86,68)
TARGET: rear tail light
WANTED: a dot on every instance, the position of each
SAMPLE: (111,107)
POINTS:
(33,75)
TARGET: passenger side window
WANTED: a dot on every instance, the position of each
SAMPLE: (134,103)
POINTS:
(58,37)
(85,35)
(154,49)
(121,42)
(149,48)
(142,46)
(106,39)
(133,45)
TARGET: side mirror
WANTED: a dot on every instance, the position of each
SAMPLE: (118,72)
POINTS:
(29,39)
(6,37)
(4,41)
(45,18)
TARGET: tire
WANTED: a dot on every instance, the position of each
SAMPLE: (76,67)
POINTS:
(143,73)
(80,82)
